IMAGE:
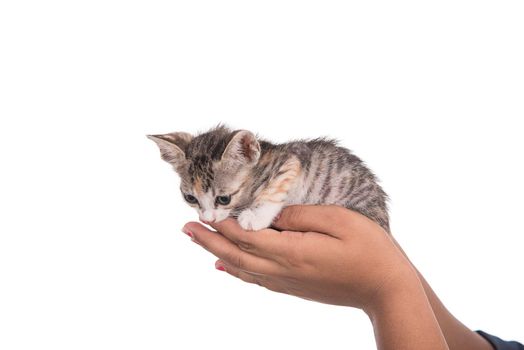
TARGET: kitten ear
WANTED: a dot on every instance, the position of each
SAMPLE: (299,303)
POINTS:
(172,146)
(243,148)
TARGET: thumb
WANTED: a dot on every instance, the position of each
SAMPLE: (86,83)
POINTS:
(327,219)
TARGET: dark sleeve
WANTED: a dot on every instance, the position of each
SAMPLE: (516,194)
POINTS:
(499,344)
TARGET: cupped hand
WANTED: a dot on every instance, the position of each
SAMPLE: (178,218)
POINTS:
(329,254)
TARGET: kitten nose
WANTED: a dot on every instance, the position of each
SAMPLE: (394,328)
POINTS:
(207,221)
(207,217)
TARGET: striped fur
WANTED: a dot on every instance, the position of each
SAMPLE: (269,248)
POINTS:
(261,177)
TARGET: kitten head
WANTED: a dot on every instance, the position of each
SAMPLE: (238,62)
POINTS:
(213,167)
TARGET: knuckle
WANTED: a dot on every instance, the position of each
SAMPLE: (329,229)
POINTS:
(294,258)
(239,261)
(293,214)
(336,214)
(231,257)
(242,239)
(246,246)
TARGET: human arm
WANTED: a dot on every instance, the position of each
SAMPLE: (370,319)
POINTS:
(333,256)
(458,336)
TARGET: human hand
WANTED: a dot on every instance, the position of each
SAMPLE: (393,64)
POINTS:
(332,255)
(324,253)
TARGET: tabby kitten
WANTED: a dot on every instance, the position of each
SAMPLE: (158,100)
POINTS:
(234,173)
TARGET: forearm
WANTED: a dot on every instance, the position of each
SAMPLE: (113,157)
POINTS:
(406,321)
(458,336)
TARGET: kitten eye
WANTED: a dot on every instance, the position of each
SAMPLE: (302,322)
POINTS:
(223,200)
(190,199)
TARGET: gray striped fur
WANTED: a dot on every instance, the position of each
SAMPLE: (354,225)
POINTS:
(263,177)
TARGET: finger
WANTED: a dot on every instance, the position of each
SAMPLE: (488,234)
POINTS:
(233,271)
(227,251)
(261,280)
(327,219)
(266,243)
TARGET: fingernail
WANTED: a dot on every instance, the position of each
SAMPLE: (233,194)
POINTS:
(219,266)
(187,232)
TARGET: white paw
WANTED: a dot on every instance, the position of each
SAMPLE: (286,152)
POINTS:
(249,220)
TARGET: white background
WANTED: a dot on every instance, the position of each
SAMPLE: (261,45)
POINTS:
(429,94)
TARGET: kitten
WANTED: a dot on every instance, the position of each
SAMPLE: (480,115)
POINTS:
(234,173)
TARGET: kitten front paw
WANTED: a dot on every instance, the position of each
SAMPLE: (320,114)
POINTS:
(249,220)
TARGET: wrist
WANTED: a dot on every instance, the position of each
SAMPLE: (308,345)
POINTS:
(395,292)
(403,318)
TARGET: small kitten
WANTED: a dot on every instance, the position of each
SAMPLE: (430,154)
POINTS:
(234,173)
